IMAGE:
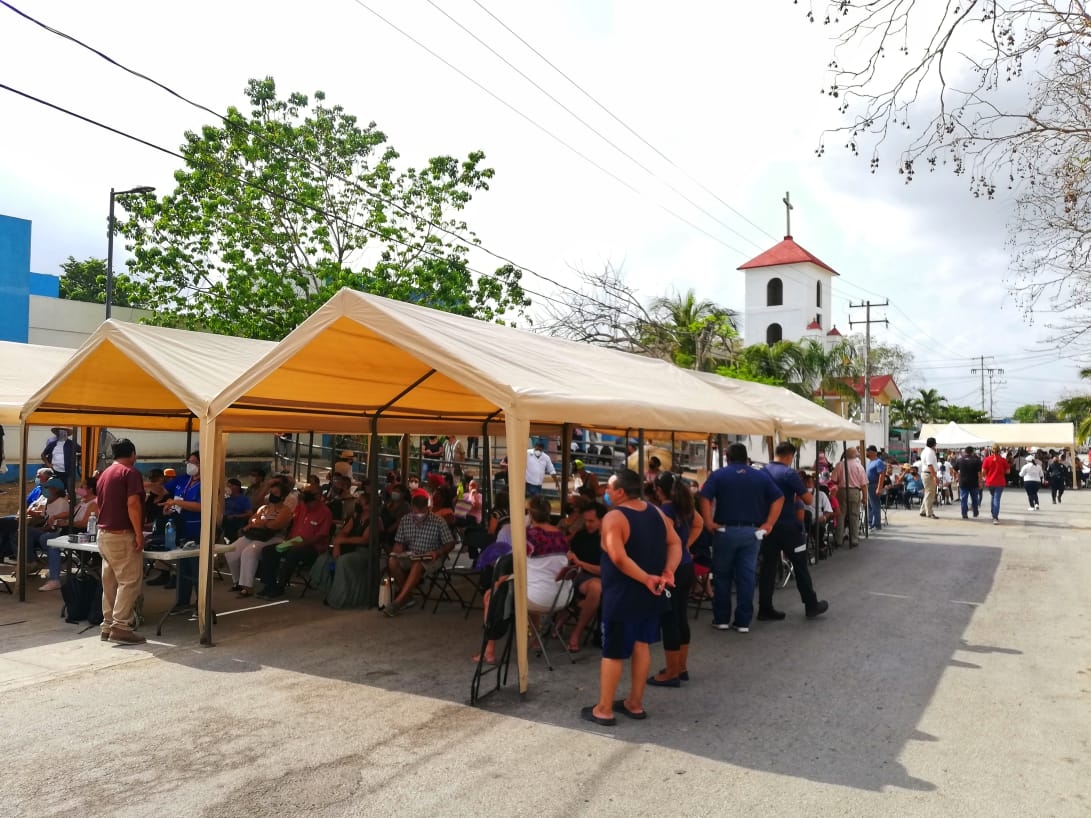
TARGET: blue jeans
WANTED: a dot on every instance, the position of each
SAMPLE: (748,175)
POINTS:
(734,560)
(874,511)
(994,494)
(974,496)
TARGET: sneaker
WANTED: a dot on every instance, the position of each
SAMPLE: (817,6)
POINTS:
(52,585)
(721,626)
(124,637)
(771,615)
(818,609)
(1030,508)
(741,628)
(996,521)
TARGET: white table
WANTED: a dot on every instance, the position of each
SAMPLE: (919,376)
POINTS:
(174,556)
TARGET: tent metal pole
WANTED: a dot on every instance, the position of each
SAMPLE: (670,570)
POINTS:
(310,454)
(403,457)
(20,550)
(708,457)
(566,464)
(640,454)
(674,464)
(486,467)
(375,498)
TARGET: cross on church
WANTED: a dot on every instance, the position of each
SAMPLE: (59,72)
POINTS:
(788,212)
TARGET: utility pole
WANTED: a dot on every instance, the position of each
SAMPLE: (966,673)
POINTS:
(867,322)
(990,371)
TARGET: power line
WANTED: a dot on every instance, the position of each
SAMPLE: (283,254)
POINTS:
(589,126)
(621,122)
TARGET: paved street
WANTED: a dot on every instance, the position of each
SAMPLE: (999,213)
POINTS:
(951,677)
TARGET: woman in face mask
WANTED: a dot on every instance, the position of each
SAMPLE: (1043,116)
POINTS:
(266,527)
(87,505)
(183,508)
(354,533)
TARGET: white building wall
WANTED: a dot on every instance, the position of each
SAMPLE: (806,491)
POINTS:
(799,305)
(58,322)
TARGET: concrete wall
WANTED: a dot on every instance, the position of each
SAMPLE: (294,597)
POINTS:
(58,322)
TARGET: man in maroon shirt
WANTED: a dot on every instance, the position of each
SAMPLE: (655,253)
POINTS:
(121,541)
(309,537)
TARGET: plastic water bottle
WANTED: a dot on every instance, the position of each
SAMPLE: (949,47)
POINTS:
(170,540)
(92,527)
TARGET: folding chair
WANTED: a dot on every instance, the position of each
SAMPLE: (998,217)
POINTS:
(702,588)
(499,626)
(440,586)
(561,599)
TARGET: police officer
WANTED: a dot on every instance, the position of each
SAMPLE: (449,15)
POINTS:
(787,538)
(743,501)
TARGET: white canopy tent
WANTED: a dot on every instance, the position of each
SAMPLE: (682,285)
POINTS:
(1012,435)
(951,436)
(23,370)
(793,415)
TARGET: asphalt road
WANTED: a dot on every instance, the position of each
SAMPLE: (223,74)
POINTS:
(951,677)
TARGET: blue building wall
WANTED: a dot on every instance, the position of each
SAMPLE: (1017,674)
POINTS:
(47,285)
(14,279)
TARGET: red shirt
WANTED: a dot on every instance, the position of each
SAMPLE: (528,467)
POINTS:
(114,488)
(313,525)
(995,469)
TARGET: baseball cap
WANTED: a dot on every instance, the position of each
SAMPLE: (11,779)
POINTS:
(418,493)
(872,448)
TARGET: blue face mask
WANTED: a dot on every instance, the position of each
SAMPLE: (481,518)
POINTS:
(606,498)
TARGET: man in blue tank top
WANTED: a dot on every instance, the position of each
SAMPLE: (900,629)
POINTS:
(744,500)
(789,539)
(640,550)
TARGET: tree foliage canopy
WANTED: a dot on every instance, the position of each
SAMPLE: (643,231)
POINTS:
(86,281)
(278,208)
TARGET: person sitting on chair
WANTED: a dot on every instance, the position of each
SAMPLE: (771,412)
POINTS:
(309,537)
(354,533)
(237,509)
(914,486)
(585,553)
(422,542)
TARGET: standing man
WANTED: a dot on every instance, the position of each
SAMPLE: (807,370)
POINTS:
(431,452)
(789,539)
(61,455)
(929,464)
(852,483)
(876,478)
(538,466)
(121,541)
(742,501)
(642,550)
(968,467)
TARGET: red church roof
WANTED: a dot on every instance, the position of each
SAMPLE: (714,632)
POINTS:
(834,331)
(878,384)
(787,252)
(814,325)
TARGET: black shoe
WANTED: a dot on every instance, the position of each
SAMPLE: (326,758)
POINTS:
(171,583)
(771,615)
(274,593)
(234,589)
(818,609)
(160,579)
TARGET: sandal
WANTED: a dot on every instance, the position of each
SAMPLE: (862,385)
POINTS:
(245,592)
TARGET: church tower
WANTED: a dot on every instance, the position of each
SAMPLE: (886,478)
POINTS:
(788,294)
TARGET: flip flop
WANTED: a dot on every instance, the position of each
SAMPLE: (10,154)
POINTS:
(588,714)
(620,705)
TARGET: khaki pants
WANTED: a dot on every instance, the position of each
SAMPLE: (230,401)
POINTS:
(848,505)
(122,579)
(929,495)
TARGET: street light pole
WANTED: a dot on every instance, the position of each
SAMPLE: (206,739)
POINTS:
(110,242)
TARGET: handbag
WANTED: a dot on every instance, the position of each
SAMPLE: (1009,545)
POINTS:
(259,533)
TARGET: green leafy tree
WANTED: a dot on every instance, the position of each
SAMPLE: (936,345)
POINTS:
(278,208)
(695,334)
(86,281)
(962,414)
(929,406)
(1034,413)
(903,414)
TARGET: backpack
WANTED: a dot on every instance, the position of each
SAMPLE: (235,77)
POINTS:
(82,596)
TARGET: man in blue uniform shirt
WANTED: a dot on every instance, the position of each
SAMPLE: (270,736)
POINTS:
(743,500)
(787,538)
(876,476)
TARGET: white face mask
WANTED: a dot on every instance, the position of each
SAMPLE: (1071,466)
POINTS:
(192,469)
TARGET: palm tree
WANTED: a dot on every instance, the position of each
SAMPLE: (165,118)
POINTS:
(928,406)
(903,414)
(1077,410)
(694,334)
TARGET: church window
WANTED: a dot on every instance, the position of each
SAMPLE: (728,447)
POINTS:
(774,293)
(773,333)
(818,294)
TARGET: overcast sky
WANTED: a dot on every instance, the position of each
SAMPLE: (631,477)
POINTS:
(727,91)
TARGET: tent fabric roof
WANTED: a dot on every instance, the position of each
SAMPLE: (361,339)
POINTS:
(795,416)
(358,355)
(950,436)
(23,370)
(1046,435)
(786,252)
(145,377)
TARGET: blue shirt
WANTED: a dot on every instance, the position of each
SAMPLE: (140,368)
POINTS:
(791,486)
(875,469)
(742,494)
(187,489)
(681,528)
(237,504)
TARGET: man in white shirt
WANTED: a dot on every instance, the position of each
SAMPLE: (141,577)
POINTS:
(929,466)
(538,466)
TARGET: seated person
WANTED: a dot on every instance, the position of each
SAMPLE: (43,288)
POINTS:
(339,498)
(9,524)
(354,532)
(443,503)
(422,541)
(825,508)
(309,536)
(237,510)
(585,553)
(468,510)
(914,486)
(390,515)
(88,505)
(894,493)
(266,526)
(572,521)
(42,519)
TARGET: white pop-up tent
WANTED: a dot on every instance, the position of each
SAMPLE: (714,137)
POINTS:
(793,415)
(387,365)
(951,436)
(23,370)
(1011,435)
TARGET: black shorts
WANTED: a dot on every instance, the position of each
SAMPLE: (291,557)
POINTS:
(618,638)
(581,578)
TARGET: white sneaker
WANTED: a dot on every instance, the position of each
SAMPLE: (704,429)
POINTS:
(1030,508)
(721,626)
(743,629)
